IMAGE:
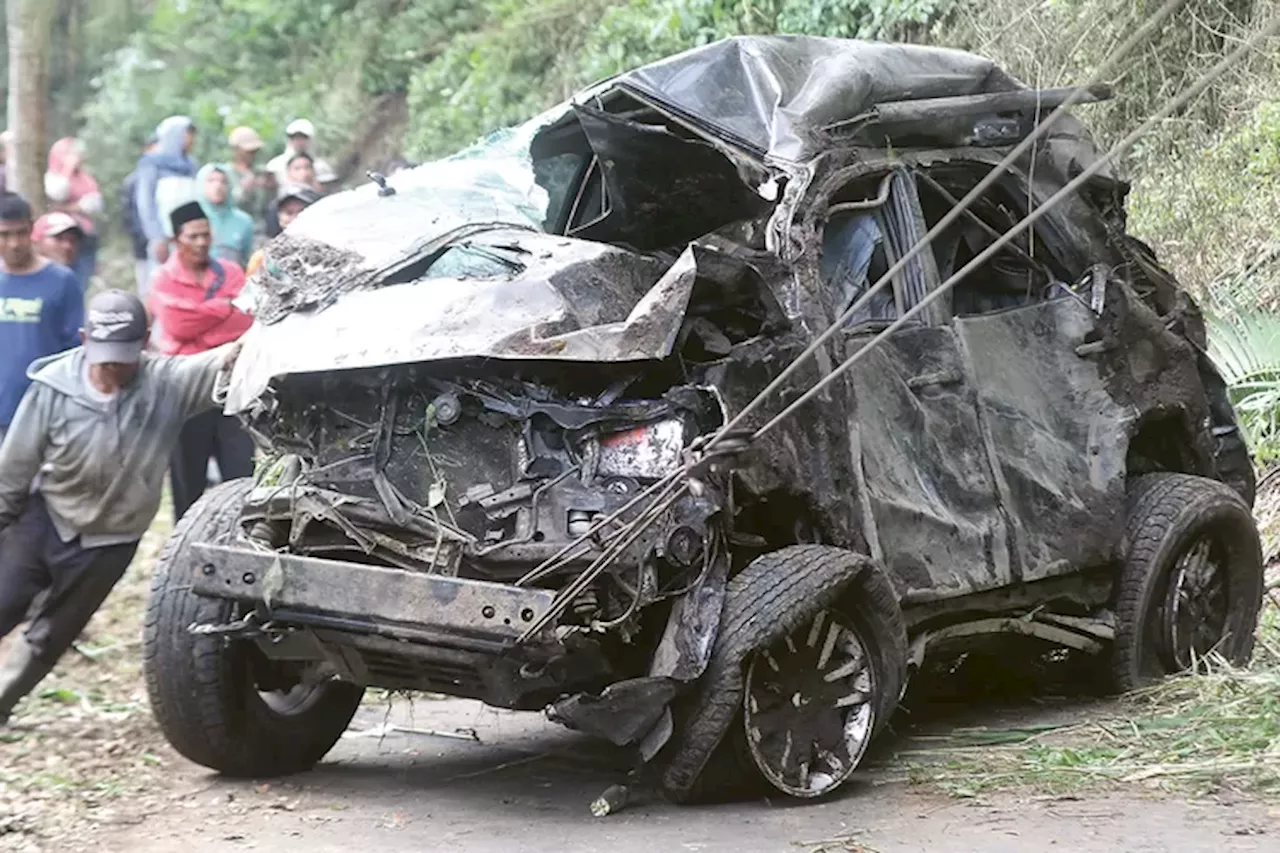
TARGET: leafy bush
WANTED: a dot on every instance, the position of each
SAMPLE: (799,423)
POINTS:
(1246,350)
(1214,208)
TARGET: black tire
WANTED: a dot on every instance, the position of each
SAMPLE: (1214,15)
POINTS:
(201,688)
(1167,516)
(707,758)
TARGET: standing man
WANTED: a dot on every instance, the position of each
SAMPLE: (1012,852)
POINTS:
(58,237)
(250,187)
(41,306)
(133,224)
(97,425)
(293,200)
(166,179)
(300,134)
(301,170)
(192,301)
(326,178)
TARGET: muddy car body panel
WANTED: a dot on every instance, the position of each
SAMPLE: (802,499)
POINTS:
(486,396)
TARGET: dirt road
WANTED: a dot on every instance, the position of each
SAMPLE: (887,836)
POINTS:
(524,785)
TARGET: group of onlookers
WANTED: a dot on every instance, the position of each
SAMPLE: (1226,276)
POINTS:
(194,229)
(241,199)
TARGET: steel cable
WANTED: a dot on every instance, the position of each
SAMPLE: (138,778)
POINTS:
(1172,106)
(955,213)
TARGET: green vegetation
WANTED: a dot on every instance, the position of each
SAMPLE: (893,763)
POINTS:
(1246,348)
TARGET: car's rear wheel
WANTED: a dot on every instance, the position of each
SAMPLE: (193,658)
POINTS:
(808,665)
(207,693)
(1190,584)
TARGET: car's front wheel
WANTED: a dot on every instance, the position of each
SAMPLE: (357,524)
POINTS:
(206,691)
(809,664)
(1190,583)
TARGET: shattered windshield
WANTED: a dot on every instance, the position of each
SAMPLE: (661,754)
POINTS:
(362,237)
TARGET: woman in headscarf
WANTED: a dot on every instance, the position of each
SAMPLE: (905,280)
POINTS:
(73,190)
(232,227)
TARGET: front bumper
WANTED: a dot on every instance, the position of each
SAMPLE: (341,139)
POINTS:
(436,608)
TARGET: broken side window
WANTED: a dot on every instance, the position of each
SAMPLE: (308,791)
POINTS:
(1021,273)
(624,174)
(863,240)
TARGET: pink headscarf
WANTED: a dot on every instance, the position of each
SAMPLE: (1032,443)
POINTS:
(62,157)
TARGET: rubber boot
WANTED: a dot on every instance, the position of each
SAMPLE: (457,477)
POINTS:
(20,672)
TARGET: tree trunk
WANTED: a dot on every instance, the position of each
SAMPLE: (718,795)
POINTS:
(29,24)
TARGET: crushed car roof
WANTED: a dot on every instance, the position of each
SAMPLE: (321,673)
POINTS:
(774,95)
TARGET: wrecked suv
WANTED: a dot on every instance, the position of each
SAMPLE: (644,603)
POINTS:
(483,391)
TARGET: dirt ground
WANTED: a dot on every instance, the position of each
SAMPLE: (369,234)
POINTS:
(523,784)
(451,775)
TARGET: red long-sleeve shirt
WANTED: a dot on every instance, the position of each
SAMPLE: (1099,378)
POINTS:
(188,320)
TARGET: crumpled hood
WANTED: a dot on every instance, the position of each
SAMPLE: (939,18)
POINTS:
(504,293)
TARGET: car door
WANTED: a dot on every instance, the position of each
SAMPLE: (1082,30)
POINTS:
(928,491)
(1025,322)
(1060,439)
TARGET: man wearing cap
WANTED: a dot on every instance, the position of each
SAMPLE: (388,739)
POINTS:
(293,199)
(57,236)
(41,306)
(97,424)
(300,134)
(192,301)
(250,187)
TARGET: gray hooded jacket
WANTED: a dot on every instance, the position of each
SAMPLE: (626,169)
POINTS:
(101,465)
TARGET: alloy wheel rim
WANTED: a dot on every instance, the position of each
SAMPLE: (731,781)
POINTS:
(809,707)
(1193,615)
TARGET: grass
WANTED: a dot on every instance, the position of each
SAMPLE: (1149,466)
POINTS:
(1199,734)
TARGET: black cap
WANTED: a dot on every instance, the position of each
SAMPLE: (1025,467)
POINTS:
(115,328)
(184,213)
(302,193)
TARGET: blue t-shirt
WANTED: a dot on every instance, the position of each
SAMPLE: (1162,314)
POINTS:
(40,314)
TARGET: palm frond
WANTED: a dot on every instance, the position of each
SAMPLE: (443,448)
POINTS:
(1246,348)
